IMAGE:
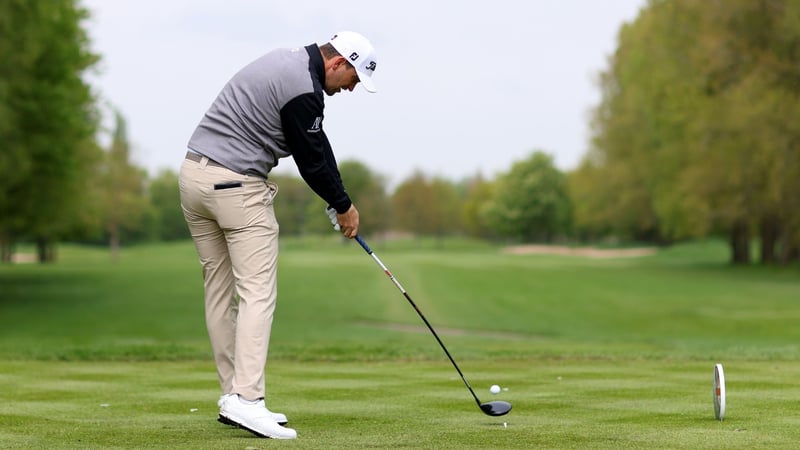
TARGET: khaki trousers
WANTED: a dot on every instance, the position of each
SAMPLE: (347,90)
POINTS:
(236,235)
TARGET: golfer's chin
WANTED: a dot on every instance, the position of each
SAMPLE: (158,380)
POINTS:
(331,92)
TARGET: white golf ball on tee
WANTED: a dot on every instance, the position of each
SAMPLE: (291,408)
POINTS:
(495,389)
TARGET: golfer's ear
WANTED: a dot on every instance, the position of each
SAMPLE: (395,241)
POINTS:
(339,61)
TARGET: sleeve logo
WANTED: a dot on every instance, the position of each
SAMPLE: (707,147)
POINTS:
(316,127)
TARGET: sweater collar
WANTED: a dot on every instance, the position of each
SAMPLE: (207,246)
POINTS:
(316,64)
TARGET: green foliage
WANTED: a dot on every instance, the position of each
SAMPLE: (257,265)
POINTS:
(409,203)
(531,202)
(427,205)
(367,190)
(696,133)
(164,201)
(300,211)
(123,202)
(292,204)
(478,193)
(48,119)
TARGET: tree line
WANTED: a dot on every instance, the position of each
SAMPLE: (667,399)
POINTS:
(696,135)
(698,130)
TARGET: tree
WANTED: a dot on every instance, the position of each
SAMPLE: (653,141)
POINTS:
(292,204)
(427,206)
(448,220)
(695,134)
(409,203)
(123,201)
(48,121)
(756,82)
(531,201)
(476,196)
(368,191)
(626,183)
(165,204)
(299,210)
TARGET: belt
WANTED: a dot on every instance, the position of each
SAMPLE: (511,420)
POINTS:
(196,157)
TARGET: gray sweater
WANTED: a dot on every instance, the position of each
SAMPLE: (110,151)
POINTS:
(271,109)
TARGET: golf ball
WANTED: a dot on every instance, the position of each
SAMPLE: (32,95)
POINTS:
(495,389)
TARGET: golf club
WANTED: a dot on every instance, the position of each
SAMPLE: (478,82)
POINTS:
(496,408)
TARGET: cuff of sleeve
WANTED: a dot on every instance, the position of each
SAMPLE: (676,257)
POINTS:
(343,206)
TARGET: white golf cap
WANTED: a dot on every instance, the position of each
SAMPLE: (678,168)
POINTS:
(360,53)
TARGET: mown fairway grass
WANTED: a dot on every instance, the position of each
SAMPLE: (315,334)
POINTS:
(611,353)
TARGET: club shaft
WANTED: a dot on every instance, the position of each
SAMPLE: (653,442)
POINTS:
(422,316)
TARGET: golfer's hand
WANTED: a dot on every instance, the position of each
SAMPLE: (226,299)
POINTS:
(349,222)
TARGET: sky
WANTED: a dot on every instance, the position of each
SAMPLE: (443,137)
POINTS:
(465,88)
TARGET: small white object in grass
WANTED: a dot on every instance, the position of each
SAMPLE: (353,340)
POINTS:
(505,425)
(104,405)
(193,410)
(495,389)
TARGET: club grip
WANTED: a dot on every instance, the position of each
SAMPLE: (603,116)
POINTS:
(363,244)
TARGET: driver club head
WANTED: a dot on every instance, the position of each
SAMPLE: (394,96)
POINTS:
(496,408)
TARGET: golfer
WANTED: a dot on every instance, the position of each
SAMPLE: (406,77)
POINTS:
(271,109)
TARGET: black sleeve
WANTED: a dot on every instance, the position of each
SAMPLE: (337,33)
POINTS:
(301,120)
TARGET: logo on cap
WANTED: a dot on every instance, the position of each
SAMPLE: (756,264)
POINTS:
(371,66)
(353,56)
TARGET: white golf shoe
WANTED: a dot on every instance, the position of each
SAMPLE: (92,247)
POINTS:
(255,418)
(276,416)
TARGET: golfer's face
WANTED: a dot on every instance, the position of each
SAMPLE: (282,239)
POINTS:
(342,76)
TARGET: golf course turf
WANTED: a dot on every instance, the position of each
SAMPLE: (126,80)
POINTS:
(592,352)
